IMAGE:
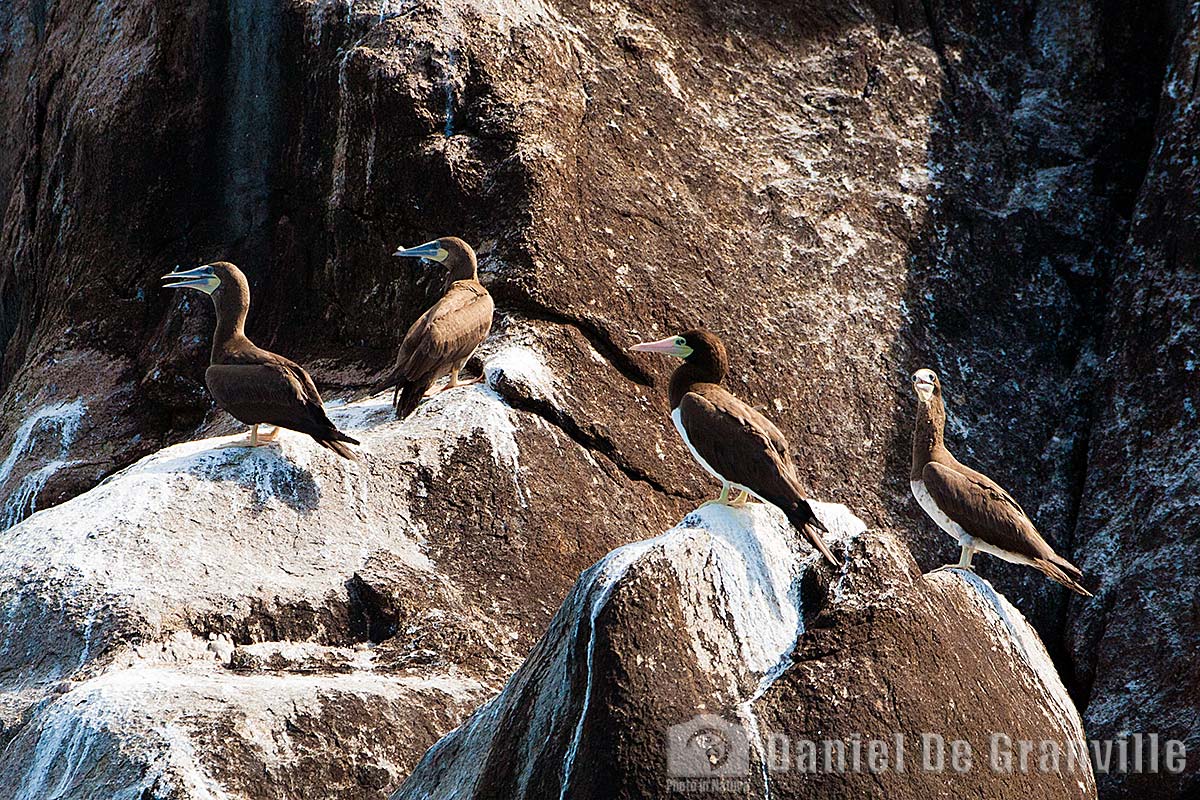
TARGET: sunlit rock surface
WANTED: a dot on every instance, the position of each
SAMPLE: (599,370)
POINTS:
(277,622)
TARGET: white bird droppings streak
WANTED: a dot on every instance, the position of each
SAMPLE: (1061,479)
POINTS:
(62,415)
(758,566)
(607,575)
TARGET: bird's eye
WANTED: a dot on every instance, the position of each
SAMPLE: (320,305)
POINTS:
(679,340)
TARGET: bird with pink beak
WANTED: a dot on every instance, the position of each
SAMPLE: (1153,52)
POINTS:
(737,445)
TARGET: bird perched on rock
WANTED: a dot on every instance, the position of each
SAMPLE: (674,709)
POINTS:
(969,505)
(444,337)
(256,386)
(735,443)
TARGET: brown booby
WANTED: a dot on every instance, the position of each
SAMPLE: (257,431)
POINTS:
(735,443)
(969,505)
(256,386)
(444,337)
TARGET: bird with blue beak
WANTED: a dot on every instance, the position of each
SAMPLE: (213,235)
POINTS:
(255,385)
(442,339)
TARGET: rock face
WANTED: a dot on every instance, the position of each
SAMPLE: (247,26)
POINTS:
(844,192)
(720,625)
(1138,518)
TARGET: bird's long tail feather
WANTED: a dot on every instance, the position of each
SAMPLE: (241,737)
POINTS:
(409,396)
(1059,574)
(393,376)
(802,517)
(339,446)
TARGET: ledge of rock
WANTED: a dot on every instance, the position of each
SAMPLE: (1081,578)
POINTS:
(216,619)
(218,622)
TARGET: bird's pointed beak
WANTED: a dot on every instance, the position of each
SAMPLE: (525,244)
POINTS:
(202,278)
(668,346)
(924,388)
(431,250)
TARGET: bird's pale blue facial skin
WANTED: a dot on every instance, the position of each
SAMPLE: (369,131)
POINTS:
(671,346)
(924,384)
(203,278)
(430,250)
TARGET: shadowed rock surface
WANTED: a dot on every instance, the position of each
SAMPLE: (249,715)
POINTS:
(843,192)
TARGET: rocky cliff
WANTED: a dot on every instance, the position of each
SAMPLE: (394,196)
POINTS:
(844,192)
(258,621)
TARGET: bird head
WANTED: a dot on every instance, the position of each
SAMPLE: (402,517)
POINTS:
(209,278)
(451,252)
(698,347)
(926,385)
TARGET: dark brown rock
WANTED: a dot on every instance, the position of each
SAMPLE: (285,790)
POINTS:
(1138,644)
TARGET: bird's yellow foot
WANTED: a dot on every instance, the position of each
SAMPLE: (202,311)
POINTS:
(269,437)
(945,567)
(456,381)
(721,499)
(252,438)
(741,500)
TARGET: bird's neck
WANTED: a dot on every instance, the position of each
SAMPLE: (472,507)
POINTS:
(463,271)
(928,442)
(231,324)
(687,375)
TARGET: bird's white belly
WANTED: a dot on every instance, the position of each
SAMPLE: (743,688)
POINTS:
(676,418)
(1016,558)
(937,515)
(956,531)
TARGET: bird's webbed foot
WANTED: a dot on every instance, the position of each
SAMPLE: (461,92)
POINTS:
(252,438)
(964,562)
(456,380)
(721,500)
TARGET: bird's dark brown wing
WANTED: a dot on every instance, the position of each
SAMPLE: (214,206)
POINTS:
(278,393)
(739,443)
(745,448)
(984,510)
(445,334)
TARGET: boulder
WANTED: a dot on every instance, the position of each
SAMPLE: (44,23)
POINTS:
(724,634)
(217,621)
(259,620)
